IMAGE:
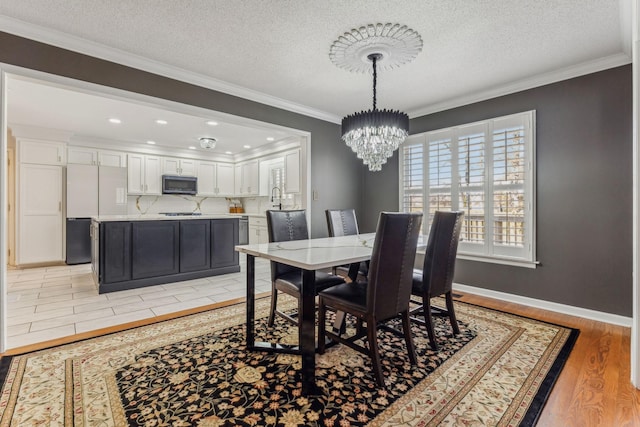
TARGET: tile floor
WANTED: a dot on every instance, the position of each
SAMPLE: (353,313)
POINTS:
(52,302)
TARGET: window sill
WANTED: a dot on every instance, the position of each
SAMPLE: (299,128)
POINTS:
(515,262)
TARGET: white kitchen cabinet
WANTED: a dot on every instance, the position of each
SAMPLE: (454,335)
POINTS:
(40,219)
(258,230)
(249,178)
(292,172)
(215,179)
(144,175)
(225,179)
(237,180)
(92,156)
(176,166)
(115,159)
(41,152)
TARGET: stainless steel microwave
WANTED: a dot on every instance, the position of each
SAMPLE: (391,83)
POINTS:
(173,184)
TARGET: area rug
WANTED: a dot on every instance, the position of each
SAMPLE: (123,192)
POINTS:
(195,371)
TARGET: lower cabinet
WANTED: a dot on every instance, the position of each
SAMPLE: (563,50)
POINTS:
(132,254)
(224,238)
(155,246)
(195,245)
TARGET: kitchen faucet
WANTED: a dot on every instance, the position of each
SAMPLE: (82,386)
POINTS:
(279,197)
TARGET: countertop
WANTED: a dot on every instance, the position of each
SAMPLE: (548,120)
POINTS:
(161,217)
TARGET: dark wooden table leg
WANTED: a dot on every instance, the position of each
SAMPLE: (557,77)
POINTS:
(251,299)
(307,333)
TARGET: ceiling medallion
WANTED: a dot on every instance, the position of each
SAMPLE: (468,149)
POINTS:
(375,134)
(208,143)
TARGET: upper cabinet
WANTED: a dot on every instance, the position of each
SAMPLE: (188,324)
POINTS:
(42,152)
(144,175)
(292,172)
(91,156)
(215,179)
(249,174)
(176,166)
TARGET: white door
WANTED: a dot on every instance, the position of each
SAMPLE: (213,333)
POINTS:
(152,175)
(170,166)
(206,179)
(40,218)
(81,155)
(187,167)
(135,178)
(112,158)
(225,179)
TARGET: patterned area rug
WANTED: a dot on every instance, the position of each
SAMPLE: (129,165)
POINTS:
(194,371)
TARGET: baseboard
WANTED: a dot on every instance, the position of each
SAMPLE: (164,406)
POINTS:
(547,305)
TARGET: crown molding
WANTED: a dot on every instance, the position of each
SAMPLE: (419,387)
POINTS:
(578,70)
(87,47)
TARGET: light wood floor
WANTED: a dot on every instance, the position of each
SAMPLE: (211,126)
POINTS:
(593,389)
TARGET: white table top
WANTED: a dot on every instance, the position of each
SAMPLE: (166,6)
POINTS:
(315,254)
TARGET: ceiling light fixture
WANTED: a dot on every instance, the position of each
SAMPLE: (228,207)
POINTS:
(212,123)
(375,134)
(161,122)
(192,147)
(208,143)
(270,138)
(247,146)
(115,121)
(151,142)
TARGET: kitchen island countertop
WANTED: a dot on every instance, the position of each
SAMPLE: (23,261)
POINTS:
(162,217)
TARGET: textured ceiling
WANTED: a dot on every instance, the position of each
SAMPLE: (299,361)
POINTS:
(280,48)
(277,52)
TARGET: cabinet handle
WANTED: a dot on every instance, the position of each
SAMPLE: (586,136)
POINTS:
(146,187)
(141,187)
(60,208)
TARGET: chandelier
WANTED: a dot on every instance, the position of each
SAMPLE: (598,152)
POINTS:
(375,134)
(208,143)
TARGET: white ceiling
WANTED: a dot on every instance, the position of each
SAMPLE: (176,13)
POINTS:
(276,51)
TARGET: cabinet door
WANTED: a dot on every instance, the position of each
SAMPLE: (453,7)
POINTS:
(251,178)
(188,167)
(154,248)
(41,152)
(292,172)
(152,175)
(115,251)
(112,158)
(170,166)
(135,174)
(40,237)
(206,179)
(195,245)
(237,180)
(82,156)
(224,238)
(225,179)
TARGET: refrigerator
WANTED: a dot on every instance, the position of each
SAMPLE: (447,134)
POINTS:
(91,191)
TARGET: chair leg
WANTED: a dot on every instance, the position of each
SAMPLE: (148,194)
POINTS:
(428,321)
(372,337)
(322,315)
(406,328)
(274,302)
(452,313)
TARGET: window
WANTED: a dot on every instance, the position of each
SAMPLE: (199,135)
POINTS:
(484,169)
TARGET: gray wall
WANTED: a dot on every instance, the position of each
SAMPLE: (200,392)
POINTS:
(336,174)
(584,192)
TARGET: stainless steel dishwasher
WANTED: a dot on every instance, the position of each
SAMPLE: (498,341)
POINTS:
(243,230)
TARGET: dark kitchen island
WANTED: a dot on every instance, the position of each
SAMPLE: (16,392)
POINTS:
(134,251)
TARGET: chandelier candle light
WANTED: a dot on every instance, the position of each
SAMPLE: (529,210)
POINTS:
(375,134)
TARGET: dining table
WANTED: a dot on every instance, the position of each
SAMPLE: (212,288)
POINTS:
(309,255)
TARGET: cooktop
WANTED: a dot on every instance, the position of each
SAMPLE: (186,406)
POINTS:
(180,213)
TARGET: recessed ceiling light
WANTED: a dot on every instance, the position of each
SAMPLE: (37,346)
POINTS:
(151,142)
(212,123)
(271,138)
(115,121)
(161,122)
(228,152)
(191,147)
(246,146)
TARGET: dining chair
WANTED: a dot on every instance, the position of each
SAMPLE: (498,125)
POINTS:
(436,276)
(284,226)
(343,222)
(384,296)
